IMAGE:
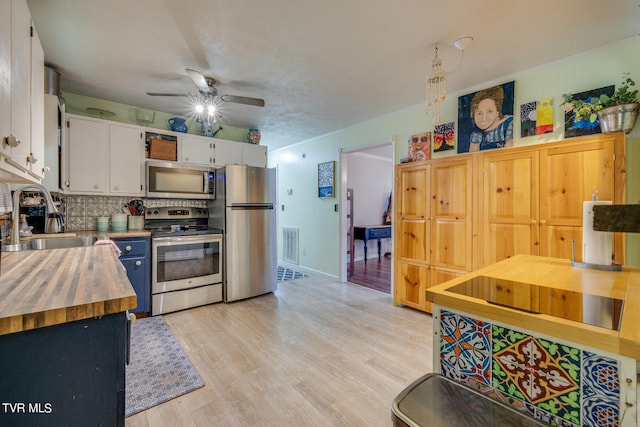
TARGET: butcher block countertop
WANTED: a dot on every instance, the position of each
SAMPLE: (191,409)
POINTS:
(48,287)
(566,282)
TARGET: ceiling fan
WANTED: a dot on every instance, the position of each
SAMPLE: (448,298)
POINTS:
(207,88)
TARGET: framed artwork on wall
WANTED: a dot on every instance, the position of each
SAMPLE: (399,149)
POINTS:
(584,126)
(420,146)
(485,119)
(326,179)
(536,117)
(444,137)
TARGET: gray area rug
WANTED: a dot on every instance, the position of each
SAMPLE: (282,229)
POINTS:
(285,274)
(159,369)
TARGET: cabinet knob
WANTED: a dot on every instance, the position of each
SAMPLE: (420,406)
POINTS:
(11,141)
(31,159)
(138,263)
(533,221)
(542,222)
(127,248)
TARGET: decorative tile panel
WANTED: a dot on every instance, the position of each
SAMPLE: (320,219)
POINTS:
(558,384)
(601,390)
(542,373)
(465,348)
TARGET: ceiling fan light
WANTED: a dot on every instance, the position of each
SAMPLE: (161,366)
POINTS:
(199,108)
(211,110)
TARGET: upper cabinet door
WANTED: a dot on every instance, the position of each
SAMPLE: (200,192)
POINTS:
(254,155)
(21,81)
(227,153)
(196,150)
(5,70)
(87,156)
(126,151)
(36,158)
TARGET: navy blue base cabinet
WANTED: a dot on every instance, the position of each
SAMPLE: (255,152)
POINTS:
(136,258)
(71,374)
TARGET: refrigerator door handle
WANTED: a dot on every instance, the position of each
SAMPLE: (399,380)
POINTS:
(245,207)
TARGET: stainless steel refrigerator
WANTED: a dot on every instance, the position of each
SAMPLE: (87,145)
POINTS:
(244,208)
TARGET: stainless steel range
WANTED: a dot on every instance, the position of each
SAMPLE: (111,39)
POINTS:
(186,259)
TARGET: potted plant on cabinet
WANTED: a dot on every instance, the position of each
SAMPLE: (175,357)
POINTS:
(615,113)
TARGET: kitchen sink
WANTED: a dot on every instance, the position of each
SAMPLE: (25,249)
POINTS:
(51,243)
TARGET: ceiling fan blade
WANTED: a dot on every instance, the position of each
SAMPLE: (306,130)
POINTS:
(199,80)
(257,102)
(166,94)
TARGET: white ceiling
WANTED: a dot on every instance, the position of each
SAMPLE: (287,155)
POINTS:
(320,66)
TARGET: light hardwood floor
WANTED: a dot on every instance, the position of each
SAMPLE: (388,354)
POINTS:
(317,352)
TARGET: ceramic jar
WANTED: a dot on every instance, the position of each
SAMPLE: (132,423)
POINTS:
(253,136)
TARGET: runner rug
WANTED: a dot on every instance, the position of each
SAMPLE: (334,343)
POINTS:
(159,370)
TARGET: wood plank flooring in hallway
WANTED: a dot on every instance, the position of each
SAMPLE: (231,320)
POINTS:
(317,352)
(374,274)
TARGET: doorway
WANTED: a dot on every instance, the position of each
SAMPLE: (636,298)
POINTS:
(367,183)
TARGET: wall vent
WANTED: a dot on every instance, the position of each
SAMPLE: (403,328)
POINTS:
(290,236)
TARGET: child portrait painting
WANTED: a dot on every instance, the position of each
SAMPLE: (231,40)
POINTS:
(485,119)
(420,147)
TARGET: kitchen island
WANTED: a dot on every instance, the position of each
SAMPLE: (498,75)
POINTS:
(63,336)
(554,341)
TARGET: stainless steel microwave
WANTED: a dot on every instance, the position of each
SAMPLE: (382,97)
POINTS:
(171,180)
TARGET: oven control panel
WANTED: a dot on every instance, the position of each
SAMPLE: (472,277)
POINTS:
(176,213)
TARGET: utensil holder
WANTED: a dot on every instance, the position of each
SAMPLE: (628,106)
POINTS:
(135,222)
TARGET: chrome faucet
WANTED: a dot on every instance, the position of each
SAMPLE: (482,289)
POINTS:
(15,215)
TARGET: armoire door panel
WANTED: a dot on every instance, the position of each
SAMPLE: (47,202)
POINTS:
(452,244)
(414,197)
(503,241)
(412,281)
(569,175)
(450,189)
(556,241)
(511,188)
(415,238)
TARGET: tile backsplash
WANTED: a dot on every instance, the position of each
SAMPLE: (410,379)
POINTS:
(81,211)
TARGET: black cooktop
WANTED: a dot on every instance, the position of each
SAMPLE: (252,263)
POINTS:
(577,306)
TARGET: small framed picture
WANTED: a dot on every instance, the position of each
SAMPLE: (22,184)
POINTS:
(326,179)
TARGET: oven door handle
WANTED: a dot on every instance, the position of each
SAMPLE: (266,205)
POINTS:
(173,240)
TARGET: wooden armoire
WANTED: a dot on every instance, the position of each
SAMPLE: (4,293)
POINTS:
(459,213)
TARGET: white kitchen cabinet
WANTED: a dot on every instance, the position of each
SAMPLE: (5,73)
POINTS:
(227,152)
(5,83)
(202,150)
(99,152)
(35,157)
(126,160)
(254,155)
(18,49)
(196,150)
(85,155)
